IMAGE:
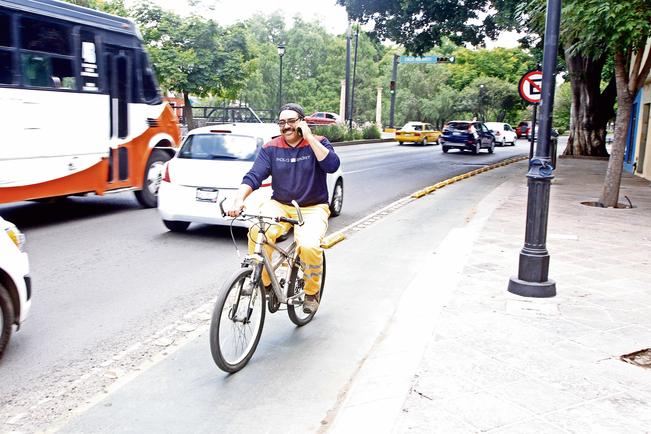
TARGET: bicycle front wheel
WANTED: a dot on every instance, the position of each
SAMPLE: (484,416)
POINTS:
(237,321)
(296,285)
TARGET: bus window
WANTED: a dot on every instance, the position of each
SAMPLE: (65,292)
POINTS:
(6,72)
(36,70)
(90,79)
(45,36)
(149,87)
(48,63)
(5,30)
(6,54)
(45,71)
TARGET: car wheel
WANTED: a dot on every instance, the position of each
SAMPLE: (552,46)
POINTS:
(6,318)
(176,226)
(148,196)
(445,149)
(337,202)
(491,148)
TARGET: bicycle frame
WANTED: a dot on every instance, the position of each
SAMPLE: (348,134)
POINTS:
(260,256)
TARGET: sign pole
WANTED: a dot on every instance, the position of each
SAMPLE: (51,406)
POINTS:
(533,268)
(394,77)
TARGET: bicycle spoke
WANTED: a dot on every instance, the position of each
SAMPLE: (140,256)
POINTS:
(238,331)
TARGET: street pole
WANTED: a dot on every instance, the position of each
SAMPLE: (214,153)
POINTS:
(347,106)
(533,268)
(281,53)
(392,89)
(533,130)
(352,93)
(481,103)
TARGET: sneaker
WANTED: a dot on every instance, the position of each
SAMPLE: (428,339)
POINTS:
(311,303)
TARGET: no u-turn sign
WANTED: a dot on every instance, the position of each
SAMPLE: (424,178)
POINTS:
(530,86)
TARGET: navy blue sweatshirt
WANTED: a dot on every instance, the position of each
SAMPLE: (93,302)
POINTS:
(295,172)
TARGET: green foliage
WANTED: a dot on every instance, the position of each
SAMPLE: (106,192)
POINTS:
(591,25)
(340,132)
(193,55)
(420,25)
(115,7)
(371,131)
(562,107)
(334,133)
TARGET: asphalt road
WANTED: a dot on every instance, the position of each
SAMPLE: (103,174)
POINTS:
(108,277)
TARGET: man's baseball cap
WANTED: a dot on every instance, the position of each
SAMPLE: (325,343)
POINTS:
(295,107)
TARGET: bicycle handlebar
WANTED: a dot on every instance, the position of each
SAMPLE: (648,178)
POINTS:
(244,216)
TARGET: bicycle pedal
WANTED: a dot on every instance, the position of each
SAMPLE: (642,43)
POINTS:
(295,300)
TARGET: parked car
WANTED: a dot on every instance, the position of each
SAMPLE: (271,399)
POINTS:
(15,283)
(417,132)
(467,135)
(503,132)
(210,166)
(523,128)
(554,133)
(323,118)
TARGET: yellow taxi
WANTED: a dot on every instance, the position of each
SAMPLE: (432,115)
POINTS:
(418,132)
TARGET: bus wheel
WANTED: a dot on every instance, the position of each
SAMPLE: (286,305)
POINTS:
(148,196)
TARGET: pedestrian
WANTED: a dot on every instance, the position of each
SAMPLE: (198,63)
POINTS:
(298,162)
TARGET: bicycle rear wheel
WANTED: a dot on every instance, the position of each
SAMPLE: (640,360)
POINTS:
(237,321)
(296,284)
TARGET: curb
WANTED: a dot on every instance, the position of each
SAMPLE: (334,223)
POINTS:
(427,190)
(361,142)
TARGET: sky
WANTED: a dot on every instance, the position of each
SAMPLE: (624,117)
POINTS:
(327,12)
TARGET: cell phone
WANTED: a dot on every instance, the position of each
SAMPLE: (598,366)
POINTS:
(299,131)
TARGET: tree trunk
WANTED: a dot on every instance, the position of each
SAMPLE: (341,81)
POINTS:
(610,192)
(591,108)
(187,111)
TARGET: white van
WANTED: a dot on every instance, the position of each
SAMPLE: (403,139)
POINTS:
(15,283)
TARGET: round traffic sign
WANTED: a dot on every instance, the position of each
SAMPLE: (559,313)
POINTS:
(530,86)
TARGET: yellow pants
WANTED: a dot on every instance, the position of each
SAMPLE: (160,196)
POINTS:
(308,238)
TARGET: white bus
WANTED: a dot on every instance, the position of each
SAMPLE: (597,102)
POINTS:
(80,108)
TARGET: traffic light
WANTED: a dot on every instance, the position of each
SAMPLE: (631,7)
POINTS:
(445,59)
(392,86)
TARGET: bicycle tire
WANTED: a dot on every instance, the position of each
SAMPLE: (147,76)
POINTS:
(295,313)
(239,337)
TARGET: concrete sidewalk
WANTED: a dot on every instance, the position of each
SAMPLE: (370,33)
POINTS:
(464,355)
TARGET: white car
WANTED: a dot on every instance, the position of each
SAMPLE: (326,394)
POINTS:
(210,166)
(503,132)
(15,283)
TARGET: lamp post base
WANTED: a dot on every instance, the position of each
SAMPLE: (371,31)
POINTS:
(532,289)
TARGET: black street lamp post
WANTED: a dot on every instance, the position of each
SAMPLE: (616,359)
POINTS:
(281,53)
(392,89)
(481,103)
(533,268)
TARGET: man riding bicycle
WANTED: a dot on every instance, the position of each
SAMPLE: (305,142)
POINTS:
(298,162)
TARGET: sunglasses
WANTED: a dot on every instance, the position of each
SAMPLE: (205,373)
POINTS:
(283,122)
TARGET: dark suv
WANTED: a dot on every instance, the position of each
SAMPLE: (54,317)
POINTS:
(467,135)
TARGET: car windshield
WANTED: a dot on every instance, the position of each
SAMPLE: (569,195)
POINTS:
(413,127)
(220,147)
(458,125)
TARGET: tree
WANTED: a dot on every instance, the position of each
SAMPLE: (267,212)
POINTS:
(624,27)
(420,25)
(193,55)
(115,7)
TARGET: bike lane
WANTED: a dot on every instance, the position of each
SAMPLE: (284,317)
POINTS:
(298,377)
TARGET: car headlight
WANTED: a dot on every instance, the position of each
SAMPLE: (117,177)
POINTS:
(16,236)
